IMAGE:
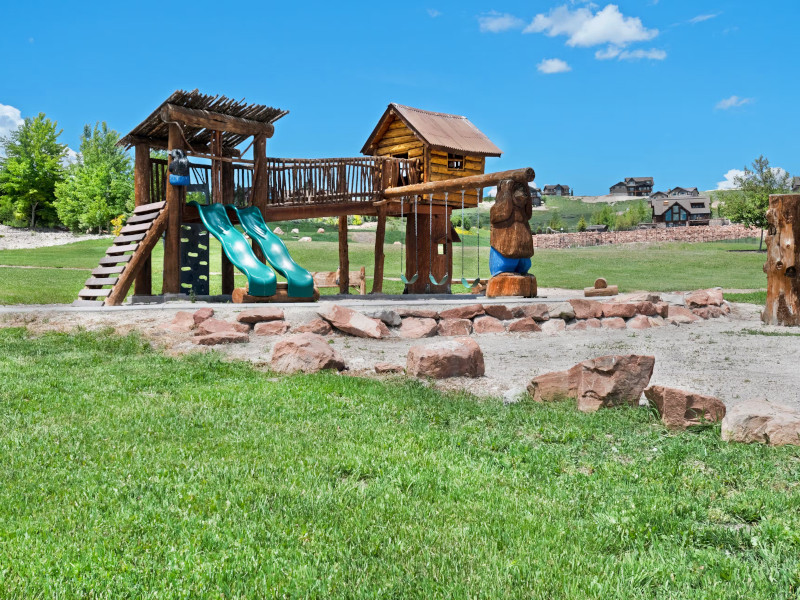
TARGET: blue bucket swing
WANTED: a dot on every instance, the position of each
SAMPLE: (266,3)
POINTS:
(403,277)
(430,245)
(464,281)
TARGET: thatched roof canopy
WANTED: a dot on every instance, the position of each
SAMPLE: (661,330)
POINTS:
(154,130)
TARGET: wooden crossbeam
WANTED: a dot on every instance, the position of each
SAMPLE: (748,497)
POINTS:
(215,121)
(460,183)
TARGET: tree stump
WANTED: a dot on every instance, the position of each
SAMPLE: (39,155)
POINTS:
(783,283)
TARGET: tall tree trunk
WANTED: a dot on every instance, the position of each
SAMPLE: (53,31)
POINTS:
(33,214)
(761,241)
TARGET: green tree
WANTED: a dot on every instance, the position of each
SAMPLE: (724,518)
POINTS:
(99,186)
(582,223)
(30,171)
(556,222)
(605,216)
(748,203)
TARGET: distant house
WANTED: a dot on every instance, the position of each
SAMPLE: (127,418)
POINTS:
(536,195)
(556,190)
(680,191)
(657,195)
(678,211)
(633,186)
(796,184)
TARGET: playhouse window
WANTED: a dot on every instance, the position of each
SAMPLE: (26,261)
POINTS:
(455,162)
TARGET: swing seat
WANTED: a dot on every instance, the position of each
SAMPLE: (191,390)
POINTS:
(409,281)
(442,282)
(470,284)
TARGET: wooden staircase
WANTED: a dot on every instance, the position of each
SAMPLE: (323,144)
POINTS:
(111,280)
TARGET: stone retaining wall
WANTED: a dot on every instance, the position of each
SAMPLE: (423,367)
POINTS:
(670,234)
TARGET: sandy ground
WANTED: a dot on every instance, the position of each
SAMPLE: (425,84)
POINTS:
(14,238)
(722,357)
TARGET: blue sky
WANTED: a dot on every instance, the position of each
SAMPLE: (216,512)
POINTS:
(584,93)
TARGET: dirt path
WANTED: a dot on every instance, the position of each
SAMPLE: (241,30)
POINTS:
(735,357)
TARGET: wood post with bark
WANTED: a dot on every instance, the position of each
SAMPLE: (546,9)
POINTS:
(783,261)
(176,198)
(227,198)
(143,285)
(344,257)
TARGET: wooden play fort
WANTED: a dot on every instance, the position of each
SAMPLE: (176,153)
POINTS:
(418,165)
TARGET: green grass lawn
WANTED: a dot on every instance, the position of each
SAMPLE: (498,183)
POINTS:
(658,267)
(127,473)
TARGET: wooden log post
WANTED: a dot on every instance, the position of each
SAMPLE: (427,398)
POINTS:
(259,192)
(176,198)
(783,261)
(143,285)
(227,198)
(380,257)
(344,257)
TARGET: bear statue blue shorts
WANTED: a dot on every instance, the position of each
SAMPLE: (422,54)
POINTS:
(502,264)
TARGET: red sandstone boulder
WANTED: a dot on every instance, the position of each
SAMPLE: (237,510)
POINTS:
(461,357)
(354,323)
(420,313)
(554,326)
(462,312)
(306,352)
(414,328)
(213,325)
(708,312)
(537,312)
(499,311)
(579,325)
(454,327)
(639,322)
(702,298)
(613,323)
(646,308)
(637,297)
(182,322)
(680,315)
(600,382)
(762,422)
(680,409)
(202,314)
(221,337)
(317,325)
(586,309)
(561,310)
(524,325)
(384,368)
(271,328)
(488,325)
(662,309)
(260,314)
(593,323)
(623,310)
(656,321)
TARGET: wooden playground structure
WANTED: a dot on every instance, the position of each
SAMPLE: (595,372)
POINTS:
(420,166)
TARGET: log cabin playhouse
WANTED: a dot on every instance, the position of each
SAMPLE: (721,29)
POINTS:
(417,164)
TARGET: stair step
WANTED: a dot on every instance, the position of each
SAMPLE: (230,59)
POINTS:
(120,259)
(93,281)
(108,270)
(145,208)
(96,293)
(143,218)
(122,248)
(125,239)
(136,228)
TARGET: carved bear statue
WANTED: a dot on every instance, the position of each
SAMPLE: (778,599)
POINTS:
(511,238)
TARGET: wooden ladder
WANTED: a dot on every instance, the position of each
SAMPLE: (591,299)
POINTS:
(111,280)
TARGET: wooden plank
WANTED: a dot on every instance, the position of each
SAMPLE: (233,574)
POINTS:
(344,257)
(108,270)
(240,296)
(93,281)
(120,259)
(151,207)
(127,239)
(394,141)
(136,228)
(121,249)
(96,293)
(215,121)
(145,218)
(380,239)
(138,260)
(591,292)
(176,195)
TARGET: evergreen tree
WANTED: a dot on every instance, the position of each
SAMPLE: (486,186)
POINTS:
(30,171)
(582,223)
(99,186)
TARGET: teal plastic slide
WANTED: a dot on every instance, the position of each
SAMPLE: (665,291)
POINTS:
(301,283)
(261,281)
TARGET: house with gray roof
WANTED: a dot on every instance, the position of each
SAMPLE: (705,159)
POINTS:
(796,184)
(632,186)
(677,211)
(556,190)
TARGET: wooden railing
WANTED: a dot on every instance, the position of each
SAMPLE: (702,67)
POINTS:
(303,182)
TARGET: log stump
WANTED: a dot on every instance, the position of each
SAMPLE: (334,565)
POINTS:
(512,284)
(783,283)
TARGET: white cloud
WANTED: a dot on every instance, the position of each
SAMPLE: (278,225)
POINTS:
(701,18)
(495,22)
(584,28)
(727,183)
(732,102)
(553,65)
(433,13)
(10,119)
(620,54)
(70,158)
